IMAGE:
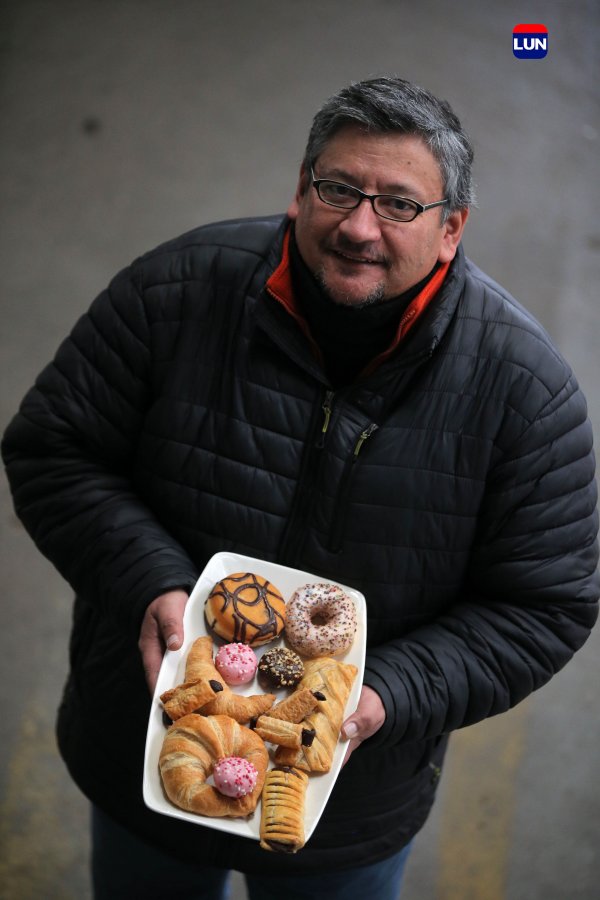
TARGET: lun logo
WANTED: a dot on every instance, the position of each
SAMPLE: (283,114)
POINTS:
(530,41)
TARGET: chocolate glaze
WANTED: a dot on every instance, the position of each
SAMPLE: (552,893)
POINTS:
(248,580)
(280,667)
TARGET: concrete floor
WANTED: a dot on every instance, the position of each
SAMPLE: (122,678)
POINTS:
(125,123)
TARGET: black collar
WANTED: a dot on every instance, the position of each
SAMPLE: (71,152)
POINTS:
(348,337)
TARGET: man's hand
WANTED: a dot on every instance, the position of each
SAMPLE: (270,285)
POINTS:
(368,718)
(162,627)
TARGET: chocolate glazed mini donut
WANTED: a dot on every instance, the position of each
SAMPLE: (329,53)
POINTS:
(245,608)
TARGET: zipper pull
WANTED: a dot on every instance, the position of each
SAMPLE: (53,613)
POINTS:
(326,406)
(364,435)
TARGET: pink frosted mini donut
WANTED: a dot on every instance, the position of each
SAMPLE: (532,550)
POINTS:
(235,776)
(236,663)
(320,621)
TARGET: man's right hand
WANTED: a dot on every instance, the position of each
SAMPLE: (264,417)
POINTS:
(162,627)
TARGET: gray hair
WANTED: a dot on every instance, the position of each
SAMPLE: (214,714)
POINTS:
(392,104)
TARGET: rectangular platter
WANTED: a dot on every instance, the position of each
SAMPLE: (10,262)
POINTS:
(172,673)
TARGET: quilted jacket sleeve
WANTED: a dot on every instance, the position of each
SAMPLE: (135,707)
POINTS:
(531,595)
(69,454)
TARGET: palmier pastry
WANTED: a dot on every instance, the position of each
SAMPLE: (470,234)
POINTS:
(200,667)
(334,680)
(247,608)
(191,748)
(282,814)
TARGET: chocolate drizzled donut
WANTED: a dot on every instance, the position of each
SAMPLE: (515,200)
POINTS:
(245,608)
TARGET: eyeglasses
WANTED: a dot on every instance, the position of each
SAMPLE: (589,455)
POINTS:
(344,196)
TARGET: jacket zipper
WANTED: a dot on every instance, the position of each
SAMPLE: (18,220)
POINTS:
(343,492)
(291,544)
(326,406)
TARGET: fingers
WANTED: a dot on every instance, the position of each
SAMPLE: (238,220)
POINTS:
(367,719)
(352,745)
(152,656)
(162,627)
(171,630)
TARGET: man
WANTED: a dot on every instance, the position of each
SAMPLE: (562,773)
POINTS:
(341,391)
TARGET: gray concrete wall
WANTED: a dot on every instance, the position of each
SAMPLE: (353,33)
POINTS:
(125,123)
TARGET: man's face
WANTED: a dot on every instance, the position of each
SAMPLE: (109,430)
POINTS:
(357,256)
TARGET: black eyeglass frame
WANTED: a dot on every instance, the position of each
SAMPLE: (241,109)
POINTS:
(418,207)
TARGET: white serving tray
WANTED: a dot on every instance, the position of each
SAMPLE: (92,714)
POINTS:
(172,673)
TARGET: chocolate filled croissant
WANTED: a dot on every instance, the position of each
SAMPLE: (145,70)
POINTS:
(191,748)
(334,680)
(200,667)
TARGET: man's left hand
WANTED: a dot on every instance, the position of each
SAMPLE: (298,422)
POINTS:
(368,718)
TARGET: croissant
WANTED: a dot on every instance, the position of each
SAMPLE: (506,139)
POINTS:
(200,667)
(334,680)
(191,747)
(282,814)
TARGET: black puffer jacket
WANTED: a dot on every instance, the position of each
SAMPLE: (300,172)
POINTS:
(454,487)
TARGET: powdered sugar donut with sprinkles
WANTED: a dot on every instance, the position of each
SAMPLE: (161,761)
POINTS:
(320,620)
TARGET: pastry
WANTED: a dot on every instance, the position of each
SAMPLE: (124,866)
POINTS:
(282,813)
(334,680)
(298,705)
(188,697)
(191,748)
(247,608)
(282,733)
(199,665)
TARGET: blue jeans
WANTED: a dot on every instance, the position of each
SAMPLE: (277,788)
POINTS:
(125,867)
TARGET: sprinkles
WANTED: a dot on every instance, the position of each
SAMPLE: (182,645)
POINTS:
(280,668)
(321,620)
(236,663)
(234,776)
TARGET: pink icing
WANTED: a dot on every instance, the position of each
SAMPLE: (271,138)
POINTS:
(236,663)
(234,776)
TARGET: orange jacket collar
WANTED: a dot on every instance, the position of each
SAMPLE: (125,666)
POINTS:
(280,287)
